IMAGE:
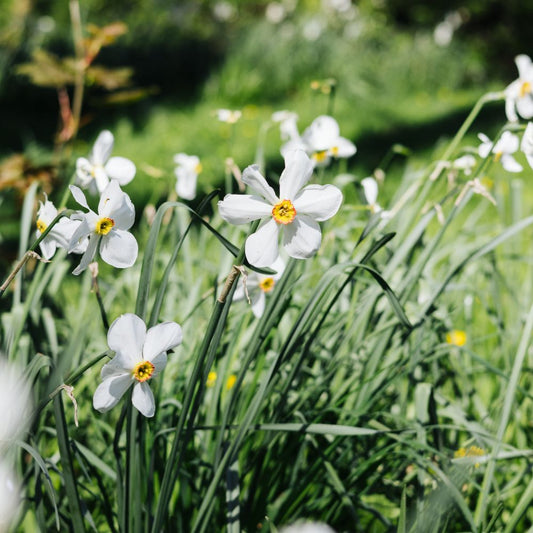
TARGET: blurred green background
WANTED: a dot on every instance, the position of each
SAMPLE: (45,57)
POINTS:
(403,71)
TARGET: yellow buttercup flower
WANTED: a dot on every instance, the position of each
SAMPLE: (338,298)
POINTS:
(456,337)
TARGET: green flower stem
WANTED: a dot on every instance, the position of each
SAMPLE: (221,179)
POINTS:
(195,391)
(76,514)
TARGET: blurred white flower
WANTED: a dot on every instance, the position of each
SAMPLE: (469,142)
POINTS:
(503,150)
(10,496)
(465,163)
(228,115)
(321,140)
(223,11)
(140,356)
(94,173)
(15,404)
(527,143)
(275,12)
(370,190)
(313,29)
(60,235)
(294,214)
(443,32)
(187,170)
(257,286)
(287,124)
(519,94)
(107,230)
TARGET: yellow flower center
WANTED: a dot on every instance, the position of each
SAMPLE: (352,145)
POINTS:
(41,226)
(284,212)
(471,451)
(320,156)
(143,371)
(267,284)
(498,156)
(104,226)
(198,168)
(335,151)
(525,88)
(456,337)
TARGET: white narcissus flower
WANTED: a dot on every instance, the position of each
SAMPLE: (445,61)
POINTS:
(519,94)
(95,172)
(465,163)
(187,171)
(258,286)
(527,143)
(107,230)
(322,140)
(503,149)
(59,235)
(294,214)
(228,115)
(287,124)
(140,356)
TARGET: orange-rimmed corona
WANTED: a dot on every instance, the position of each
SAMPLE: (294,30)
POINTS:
(284,212)
(104,226)
(143,371)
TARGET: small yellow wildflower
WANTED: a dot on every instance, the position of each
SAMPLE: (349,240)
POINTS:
(211,379)
(457,337)
(471,451)
(231,381)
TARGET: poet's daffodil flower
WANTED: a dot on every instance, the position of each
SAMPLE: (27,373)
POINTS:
(257,286)
(60,235)
(140,356)
(95,172)
(519,94)
(503,150)
(107,230)
(294,214)
(527,143)
(322,141)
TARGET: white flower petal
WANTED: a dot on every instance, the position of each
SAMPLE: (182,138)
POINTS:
(88,256)
(322,133)
(159,362)
(143,399)
(343,148)
(126,337)
(524,65)
(524,106)
(48,247)
(292,145)
(103,146)
(258,303)
(510,111)
(120,169)
(243,208)
(318,201)
(297,172)
(119,248)
(508,143)
(370,190)
(186,184)
(510,164)
(109,392)
(302,238)
(79,196)
(116,204)
(80,234)
(261,247)
(161,338)
(253,178)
